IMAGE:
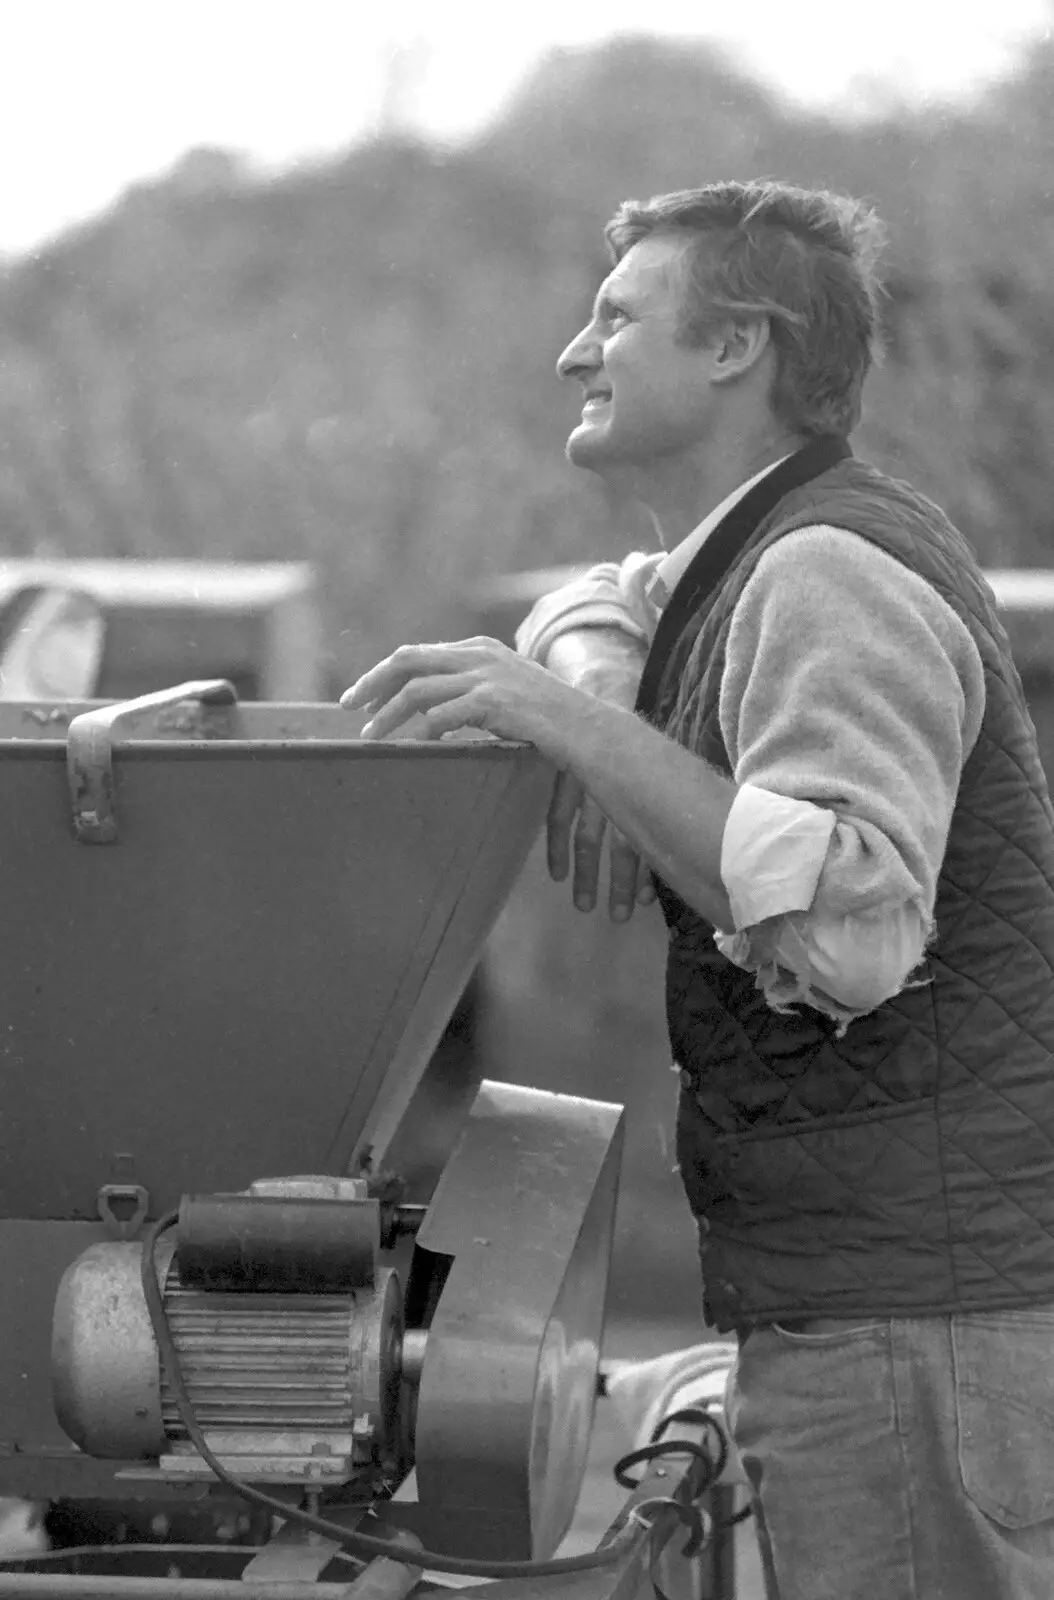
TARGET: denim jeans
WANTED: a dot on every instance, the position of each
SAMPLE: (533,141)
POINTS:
(901,1458)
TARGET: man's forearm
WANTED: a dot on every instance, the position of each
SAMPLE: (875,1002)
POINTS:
(668,803)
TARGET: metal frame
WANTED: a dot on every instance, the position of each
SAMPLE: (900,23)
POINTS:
(287,1568)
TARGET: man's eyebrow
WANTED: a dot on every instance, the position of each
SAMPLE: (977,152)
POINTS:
(606,301)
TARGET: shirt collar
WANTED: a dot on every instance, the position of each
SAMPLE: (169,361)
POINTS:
(674,565)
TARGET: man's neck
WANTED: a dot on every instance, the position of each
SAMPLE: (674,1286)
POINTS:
(677,501)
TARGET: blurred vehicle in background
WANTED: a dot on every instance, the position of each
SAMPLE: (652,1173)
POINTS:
(51,641)
(257,624)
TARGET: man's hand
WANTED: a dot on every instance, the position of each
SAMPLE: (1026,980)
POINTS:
(474,683)
(629,879)
(480,683)
(607,664)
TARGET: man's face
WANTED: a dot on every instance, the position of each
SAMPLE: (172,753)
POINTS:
(647,397)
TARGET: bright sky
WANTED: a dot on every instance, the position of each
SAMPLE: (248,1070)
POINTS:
(96,95)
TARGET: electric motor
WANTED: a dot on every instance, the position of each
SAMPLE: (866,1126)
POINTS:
(286,1331)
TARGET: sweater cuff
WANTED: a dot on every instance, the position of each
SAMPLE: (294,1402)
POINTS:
(772,854)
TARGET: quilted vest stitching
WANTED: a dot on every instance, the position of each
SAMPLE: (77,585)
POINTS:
(909,1166)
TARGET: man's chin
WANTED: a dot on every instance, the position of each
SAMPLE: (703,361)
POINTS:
(587,447)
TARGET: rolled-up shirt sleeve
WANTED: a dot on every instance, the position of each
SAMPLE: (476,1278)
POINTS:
(772,861)
(772,854)
(851,696)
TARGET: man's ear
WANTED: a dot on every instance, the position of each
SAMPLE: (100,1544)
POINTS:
(738,348)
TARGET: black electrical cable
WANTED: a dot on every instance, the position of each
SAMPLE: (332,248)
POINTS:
(363,1545)
(704,1418)
(700,1419)
(655,1452)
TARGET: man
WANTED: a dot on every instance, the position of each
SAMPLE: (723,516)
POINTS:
(832,775)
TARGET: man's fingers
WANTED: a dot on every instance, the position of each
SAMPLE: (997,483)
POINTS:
(623,877)
(384,681)
(577,825)
(563,809)
(418,696)
(589,840)
(412,661)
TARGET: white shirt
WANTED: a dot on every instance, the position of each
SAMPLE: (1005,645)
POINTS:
(833,905)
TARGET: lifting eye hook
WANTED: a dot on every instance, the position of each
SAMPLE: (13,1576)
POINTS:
(123,1208)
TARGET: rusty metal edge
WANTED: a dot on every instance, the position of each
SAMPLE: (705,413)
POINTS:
(302,749)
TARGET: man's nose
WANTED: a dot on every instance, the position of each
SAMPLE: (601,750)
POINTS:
(582,355)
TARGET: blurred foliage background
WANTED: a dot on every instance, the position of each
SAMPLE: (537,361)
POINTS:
(355,363)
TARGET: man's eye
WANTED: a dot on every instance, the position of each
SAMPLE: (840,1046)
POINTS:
(617,320)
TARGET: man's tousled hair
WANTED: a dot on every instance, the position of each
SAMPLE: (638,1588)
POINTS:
(804,258)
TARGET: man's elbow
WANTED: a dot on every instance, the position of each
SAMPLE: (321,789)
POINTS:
(861,987)
(862,962)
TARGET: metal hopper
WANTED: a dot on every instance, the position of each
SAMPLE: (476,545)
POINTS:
(232,937)
(251,975)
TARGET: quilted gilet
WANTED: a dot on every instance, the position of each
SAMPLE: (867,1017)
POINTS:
(906,1168)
